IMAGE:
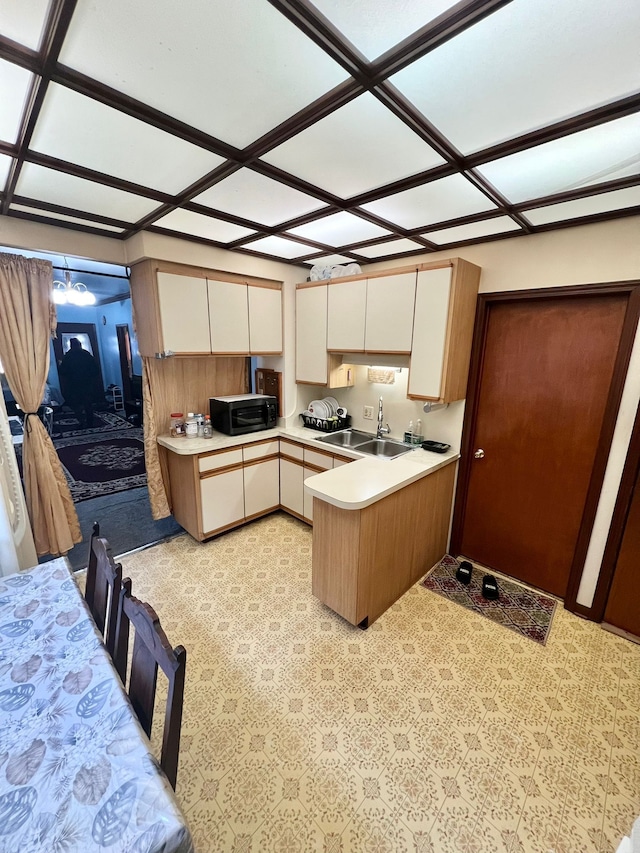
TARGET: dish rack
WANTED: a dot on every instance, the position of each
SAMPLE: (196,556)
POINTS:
(325,424)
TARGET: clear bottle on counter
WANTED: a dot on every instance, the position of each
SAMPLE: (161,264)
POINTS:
(191,426)
(207,430)
(200,422)
(176,427)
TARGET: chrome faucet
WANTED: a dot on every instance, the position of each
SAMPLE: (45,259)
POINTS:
(382,430)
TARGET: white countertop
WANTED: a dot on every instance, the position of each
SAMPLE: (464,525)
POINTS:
(353,486)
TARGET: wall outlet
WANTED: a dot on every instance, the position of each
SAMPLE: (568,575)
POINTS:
(367,413)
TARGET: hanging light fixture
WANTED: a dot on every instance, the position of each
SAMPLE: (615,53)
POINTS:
(68,293)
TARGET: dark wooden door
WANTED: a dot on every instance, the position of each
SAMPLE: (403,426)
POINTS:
(545,378)
(623,604)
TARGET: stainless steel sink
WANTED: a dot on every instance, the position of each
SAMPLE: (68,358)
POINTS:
(384,447)
(347,438)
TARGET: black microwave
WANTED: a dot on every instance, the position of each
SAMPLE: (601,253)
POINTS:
(237,414)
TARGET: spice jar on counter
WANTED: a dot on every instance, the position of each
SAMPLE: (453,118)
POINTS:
(177,424)
(207,429)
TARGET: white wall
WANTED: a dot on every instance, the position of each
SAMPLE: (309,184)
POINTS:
(440,425)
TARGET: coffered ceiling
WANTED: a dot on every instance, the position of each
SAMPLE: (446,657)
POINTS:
(324,132)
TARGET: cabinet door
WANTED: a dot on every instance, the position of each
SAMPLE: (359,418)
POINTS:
(222,497)
(291,488)
(311,335)
(265,320)
(390,301)
(184,313)
(261,487)
(228,316)
(429,333)
(347,303)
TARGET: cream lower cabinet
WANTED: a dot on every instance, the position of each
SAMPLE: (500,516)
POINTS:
(261,487)
(291,486)
(222,500)
(213,492)
(297,462)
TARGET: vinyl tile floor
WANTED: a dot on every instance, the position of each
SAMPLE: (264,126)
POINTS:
(434,730)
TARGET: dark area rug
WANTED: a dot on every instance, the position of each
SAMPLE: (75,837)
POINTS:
(99,464)
(65,424)
(519,608)
(125,521)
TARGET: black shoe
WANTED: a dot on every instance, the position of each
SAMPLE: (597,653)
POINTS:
(490,587)
(464,572)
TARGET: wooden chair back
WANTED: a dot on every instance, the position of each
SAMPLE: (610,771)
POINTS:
(151,649)
(102,591)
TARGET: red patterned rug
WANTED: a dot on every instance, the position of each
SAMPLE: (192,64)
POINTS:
(519,608)
(97,465)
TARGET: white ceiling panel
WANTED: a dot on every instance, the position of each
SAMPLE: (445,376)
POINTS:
(499,225)
(525,66)
(23,20)
(339,229)
(437,201)
(602,153)
(5,165)
(603,203)
(329,261)
(376,27)
(234,70)
(389,248)
(357,148)
(42,184)
(188,222)
(83,131)
(65,218)
(253,196)
(279,247)
(14,85)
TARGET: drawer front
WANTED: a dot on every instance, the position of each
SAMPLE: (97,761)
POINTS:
(259,450)
(220,460)
(320,460)
(288,448)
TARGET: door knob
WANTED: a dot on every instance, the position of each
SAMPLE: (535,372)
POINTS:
(479,454)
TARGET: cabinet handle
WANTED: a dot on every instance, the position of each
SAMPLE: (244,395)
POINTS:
(479,454)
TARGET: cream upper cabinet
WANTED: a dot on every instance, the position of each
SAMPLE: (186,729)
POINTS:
(228,317)
(265,319)
(311,335)
(389,314)
(432,310)
(184,313)
(347,303)
(203,313)
(443,332)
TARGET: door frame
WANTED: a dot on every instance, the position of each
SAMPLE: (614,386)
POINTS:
(618,522)
(630,324)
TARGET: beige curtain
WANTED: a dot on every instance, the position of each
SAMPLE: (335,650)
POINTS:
(157,495)
(27,321)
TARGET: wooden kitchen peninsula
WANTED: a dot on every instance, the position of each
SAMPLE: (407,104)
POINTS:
(378,527)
